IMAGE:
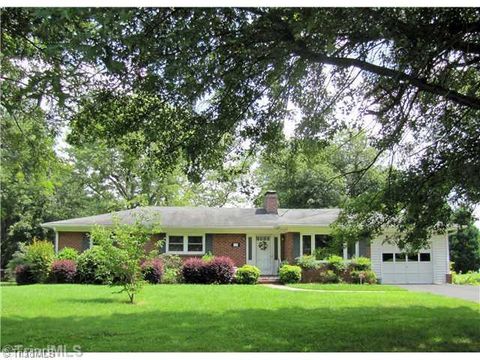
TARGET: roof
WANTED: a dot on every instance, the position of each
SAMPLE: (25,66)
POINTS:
(203,217)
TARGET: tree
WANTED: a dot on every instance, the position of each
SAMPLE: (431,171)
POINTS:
(124,245)
(465,243)
(413,72)
(318,174)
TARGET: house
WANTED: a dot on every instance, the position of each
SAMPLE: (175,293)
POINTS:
(263,237)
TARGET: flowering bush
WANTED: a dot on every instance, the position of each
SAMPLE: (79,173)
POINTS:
(63,271)
(152,270)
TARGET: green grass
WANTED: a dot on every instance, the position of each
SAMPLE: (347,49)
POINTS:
(235,318)
(349,287)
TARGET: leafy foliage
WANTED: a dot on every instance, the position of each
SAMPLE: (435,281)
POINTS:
(24,275)
(63,271)
(153,270)
(465,248)
(247,274)
(307,262)
(193,271)
(93,267)
(67,253)
(124,249)
(290,274)
(39,257)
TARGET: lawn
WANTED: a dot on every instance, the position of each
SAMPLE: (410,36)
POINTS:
(235,318)
(347,287)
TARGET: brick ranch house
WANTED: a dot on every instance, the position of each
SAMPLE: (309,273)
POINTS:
(263,237)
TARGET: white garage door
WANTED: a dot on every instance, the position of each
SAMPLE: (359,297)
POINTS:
(399,268)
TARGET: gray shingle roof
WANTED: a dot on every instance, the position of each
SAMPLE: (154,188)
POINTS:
(198,217)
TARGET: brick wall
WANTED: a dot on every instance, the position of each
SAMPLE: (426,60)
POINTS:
(287,250)
(222,246)
(71,239)
(76,240)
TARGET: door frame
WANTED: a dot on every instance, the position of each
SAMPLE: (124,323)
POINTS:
(275,263)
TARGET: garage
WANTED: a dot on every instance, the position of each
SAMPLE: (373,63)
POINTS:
(401,268)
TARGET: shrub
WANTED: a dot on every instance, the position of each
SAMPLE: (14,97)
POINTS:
(220,270)
(470,278)
(63,271)
(18,258)
(363,277)
(174,262)
(307,262)
(93,267)
(247,274)
(360,264)
(290,274)
(193,271)
(24,275)
(152,270)
(336,264)
(67,253)
(171,276)
(208,257)
(39,256)
(328,277)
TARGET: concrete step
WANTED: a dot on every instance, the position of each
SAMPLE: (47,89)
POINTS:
(268,279)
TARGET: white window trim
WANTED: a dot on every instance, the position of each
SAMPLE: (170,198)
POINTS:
(185,245)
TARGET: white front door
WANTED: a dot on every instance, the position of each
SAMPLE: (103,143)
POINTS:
(264,254)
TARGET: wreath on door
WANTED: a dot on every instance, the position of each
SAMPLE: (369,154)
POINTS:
(262,244)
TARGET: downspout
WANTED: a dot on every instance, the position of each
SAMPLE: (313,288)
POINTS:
(56,240)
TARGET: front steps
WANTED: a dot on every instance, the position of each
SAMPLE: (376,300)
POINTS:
(269,279)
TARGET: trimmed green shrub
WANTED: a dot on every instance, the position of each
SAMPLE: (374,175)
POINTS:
(67,253)
(307,262)
(363,277)
(470,278)
(24,275)
(18,258)
(290,274)
(39,256)
(152,270)
(247,274)
(360,264)
(93,267)
(172,266)
(328,277)
(336,264)
(63,271)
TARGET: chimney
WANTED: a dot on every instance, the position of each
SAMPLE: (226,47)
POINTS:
(271,202)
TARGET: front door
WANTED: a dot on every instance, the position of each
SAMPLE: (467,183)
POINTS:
(264,254)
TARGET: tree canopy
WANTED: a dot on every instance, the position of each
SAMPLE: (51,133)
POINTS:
(235,73)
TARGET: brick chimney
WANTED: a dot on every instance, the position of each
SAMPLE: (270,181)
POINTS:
(271,202)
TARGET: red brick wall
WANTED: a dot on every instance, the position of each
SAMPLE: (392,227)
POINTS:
(222,246)
(287,250)
(71,239)
(75,240)
(271,203)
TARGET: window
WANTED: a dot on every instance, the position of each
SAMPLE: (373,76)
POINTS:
(387,257)
(175,243)
(195,243)
(424,256)
(322,241)
(412,257)
(307,245)
(400,257)
(185,244)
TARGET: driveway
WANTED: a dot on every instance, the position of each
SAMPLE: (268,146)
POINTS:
(466,292)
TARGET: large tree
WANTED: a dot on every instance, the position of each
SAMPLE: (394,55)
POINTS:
(412,72)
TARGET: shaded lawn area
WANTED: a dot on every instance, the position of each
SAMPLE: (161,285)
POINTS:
(235,318)
(347,287)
